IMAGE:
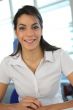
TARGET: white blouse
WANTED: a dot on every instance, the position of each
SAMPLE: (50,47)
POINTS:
(45,83)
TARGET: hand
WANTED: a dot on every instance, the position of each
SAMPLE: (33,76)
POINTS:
(28,103)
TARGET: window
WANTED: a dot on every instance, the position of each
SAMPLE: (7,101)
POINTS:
(19,3)
(43,3)
(6,31)
(57,19)
(7,9)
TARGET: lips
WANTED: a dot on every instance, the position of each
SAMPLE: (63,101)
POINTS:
(29,41)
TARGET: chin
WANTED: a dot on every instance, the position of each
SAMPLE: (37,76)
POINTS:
(31,48)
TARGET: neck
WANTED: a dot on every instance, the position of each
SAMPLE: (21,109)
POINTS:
(32,55)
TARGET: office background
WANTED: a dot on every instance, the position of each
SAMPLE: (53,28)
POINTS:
(57,16)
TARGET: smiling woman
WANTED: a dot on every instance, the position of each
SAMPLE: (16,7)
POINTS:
(35,66)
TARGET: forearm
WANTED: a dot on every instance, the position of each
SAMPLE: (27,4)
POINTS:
(7,106)
(60,106)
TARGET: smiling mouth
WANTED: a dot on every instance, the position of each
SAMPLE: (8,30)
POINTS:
(30,41)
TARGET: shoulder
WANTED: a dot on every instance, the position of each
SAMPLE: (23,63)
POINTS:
(58,55)
(52,55)
(55,53)
(8,60)
(63,56)
(60,52)
(4,63)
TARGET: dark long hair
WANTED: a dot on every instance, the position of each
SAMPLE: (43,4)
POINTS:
(31,10)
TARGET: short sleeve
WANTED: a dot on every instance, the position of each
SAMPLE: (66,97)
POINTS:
(66,63)
(4,77)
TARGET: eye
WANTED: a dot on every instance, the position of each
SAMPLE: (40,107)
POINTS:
(21,28)
(35,27)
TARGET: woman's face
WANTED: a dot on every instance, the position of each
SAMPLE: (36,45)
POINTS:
(28,32)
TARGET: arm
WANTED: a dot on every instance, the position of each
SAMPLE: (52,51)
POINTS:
(70,77)
(3,88)
(27,103)
(59,106)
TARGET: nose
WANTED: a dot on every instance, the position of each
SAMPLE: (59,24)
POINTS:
(30,32)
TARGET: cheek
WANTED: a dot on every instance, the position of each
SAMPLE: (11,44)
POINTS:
(39,35)
(39,32)
(19,36)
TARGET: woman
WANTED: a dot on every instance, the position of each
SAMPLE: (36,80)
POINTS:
(35,66)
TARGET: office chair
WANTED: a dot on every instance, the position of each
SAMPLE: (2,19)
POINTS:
(14,97)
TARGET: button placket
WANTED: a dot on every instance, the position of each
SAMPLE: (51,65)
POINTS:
(36,87)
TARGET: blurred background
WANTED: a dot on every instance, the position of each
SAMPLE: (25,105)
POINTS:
(57,30)
(58,24)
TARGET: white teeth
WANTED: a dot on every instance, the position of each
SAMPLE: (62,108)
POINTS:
(29,41)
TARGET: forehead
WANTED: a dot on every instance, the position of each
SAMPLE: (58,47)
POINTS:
(27,19)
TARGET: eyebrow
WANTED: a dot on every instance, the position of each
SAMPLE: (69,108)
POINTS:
(25,25)
(21,25)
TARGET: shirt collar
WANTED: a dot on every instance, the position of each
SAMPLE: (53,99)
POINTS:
(48,55)
(17,59)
